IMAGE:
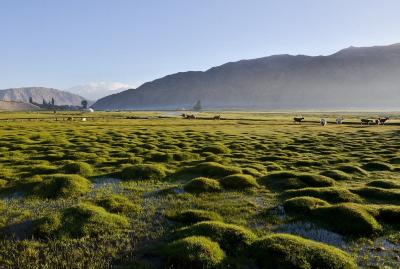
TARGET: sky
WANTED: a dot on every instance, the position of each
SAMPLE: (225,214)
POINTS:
(96,47)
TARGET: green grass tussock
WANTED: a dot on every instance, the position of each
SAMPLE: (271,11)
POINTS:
(195,215)
(292,180)
(79,168)
(331,195)
(62,185)
(210,169)
(337,175)
(202,184)
(232,238)
(302,205)
(384,184)
(79,221)
(238,182)
(118,204)
(347,218)
(143,172)
(216,149)
(390,214)
(378,166)
(379,194)
(352,169)
(286,251)
(197,252)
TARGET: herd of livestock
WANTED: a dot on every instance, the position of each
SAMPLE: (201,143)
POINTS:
(300,119)
(339,120)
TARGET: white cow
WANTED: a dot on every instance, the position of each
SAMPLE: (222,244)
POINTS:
(323,122)
(339,120)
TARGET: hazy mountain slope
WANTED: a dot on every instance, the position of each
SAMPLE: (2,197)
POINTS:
(16,106)
(351,78)
(40,93)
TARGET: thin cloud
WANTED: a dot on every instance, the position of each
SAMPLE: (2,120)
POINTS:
(97,90)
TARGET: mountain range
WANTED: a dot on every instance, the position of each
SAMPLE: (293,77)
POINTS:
(353,78)
(38,94)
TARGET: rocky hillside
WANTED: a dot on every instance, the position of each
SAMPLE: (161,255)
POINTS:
(353,78)
(16,106)
(40,93)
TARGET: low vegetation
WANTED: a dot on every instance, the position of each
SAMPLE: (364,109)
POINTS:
(289,251)
(331,195)
(233,239)
(143,172)
(238,182)
(202,184)
(80,221)
(150,190)
(194,215)
(195,252)
(62,185)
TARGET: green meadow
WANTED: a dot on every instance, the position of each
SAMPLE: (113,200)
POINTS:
(153,190)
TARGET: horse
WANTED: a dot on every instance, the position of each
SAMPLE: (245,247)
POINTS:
(323,122)
(217,117)
(366,121)
(298,119)
(190,117)
(381,121)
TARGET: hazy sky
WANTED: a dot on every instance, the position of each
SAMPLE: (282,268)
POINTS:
(64,43)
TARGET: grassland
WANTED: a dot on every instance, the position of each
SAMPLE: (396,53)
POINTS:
(157,192)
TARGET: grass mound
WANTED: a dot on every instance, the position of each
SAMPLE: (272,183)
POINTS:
(216,149)
(384,184)
(331,195)
(288,251)
(347,218)
(118,204)
(390,214)
(378,166)
(238,182)
(79,168)
(195,252)
(143,172)
(161,157)
(79,221)
(293,180)
(193,216)
(337,175)
(42,169)
(232,238)
(303,205)
(202,184)
(379,194)
(352,169)
(62,185)
(211,169)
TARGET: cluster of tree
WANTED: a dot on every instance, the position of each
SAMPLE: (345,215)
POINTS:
(52,105)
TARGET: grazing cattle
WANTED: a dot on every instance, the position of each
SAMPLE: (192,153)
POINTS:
(339,120)
(381,120)
(83,119)
(70,119)
(323,122)
(298,119)
(188,116)
(366,121)
(217,117)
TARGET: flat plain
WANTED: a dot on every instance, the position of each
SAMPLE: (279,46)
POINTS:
(153,190)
